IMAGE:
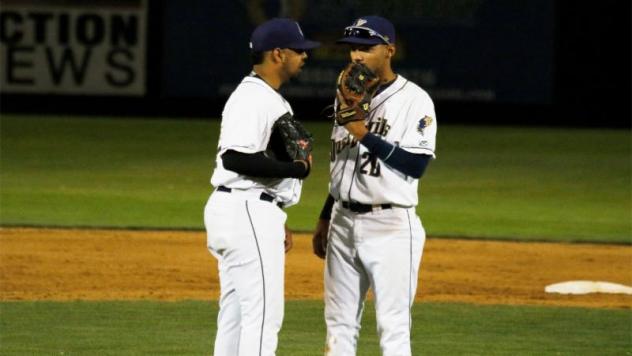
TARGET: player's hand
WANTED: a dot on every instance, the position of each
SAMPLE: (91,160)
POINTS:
(319,240)
(308,165)
(342,102)
(288,239)
(357,128)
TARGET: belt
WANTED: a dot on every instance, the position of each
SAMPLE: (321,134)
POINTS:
(364,208)
(264,196)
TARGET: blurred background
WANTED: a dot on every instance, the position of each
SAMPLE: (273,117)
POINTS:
(543,62)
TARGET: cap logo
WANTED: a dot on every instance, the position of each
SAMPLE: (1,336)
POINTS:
(299,30)
(360,22)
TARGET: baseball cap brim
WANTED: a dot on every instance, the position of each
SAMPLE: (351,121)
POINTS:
(362,41)
(306,44)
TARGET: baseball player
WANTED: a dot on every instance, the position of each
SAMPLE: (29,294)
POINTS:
(244,219)
(368,231)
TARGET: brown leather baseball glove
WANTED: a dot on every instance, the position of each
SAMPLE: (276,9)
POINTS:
(356,86)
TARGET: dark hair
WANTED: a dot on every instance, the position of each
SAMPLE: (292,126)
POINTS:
(256,57)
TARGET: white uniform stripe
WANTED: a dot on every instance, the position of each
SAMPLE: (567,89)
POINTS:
(263,278)
(410,271)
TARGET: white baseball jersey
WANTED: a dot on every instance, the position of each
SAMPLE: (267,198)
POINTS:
(404,115)
(247,120)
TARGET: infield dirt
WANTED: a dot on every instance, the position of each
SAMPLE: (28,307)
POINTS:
(72,264)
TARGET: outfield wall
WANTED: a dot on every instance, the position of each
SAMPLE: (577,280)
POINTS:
(483,61)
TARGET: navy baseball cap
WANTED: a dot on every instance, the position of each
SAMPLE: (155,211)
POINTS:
(369,30)
(279,33)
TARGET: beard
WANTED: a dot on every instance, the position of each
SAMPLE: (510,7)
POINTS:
(291,72)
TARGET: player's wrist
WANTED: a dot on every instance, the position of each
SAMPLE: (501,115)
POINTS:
(357,129)
(305,167)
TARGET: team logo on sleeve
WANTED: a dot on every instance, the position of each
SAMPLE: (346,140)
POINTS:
(423,123)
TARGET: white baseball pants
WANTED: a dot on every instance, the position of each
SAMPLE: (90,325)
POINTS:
(380,249)
(246,235)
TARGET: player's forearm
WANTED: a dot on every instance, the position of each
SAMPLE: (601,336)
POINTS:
(259,165)
(410,164)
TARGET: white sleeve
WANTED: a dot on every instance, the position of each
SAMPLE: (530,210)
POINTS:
(421,127)
(247,122)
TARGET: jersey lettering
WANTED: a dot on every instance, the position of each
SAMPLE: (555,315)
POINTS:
(379,126)
(338,146)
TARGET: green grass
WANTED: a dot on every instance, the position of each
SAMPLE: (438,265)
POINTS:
(531,183)
(502,183)
(187,328)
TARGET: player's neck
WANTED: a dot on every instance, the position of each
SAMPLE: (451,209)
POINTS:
(387,76)
(268,76)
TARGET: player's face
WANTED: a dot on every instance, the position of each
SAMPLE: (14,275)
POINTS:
(376,57)
(293,61)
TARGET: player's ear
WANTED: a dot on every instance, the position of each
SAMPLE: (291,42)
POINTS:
(390,50)
(277,55)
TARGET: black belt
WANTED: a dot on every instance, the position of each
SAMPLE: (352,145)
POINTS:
(363,208)
(264,196)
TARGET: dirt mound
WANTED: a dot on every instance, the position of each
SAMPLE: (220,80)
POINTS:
(70,264)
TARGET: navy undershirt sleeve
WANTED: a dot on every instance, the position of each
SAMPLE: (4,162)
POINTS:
(411,164)
(260,165)
(325,213)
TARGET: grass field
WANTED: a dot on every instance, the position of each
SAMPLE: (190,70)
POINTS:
(503,183)
(493,182)
(187,328)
